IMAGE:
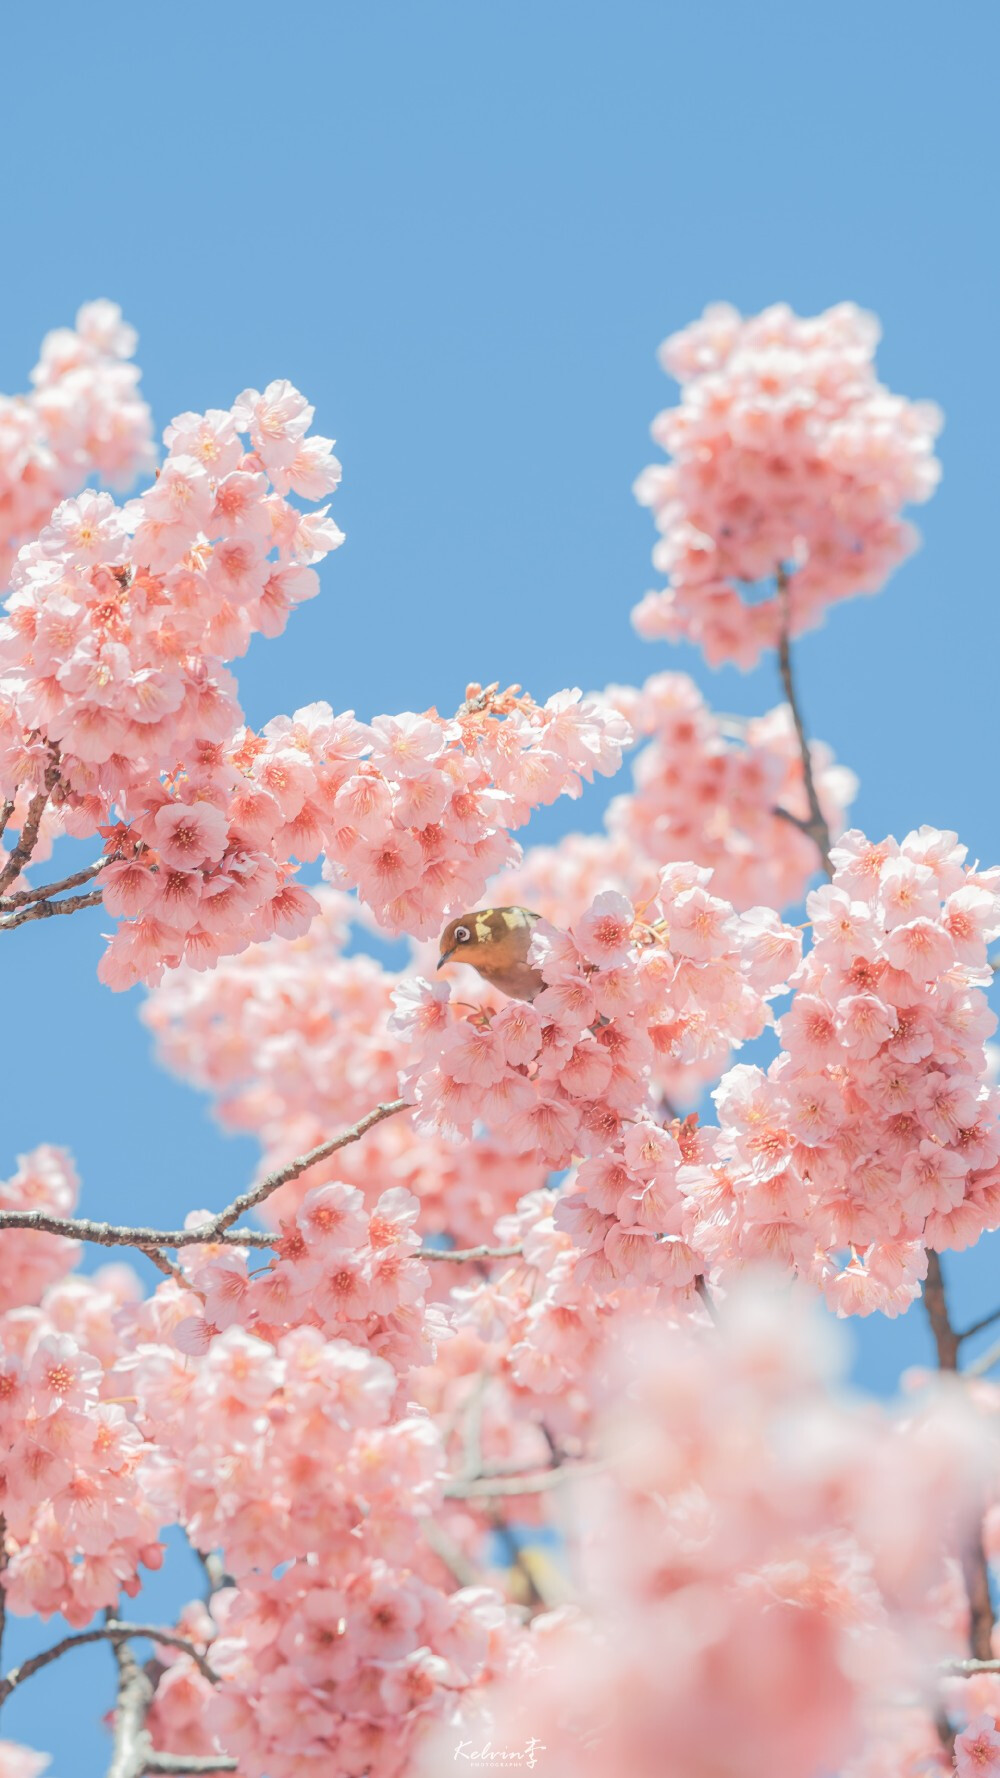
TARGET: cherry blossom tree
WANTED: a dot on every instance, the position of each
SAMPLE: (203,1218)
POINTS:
(505,1407)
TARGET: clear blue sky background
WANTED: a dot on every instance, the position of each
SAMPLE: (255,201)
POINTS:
(463,230)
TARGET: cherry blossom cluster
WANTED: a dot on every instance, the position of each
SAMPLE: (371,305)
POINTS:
(29,1260)
(298,1451)
(83,417)
(293,1040)
(412,811)
(83,1493)
(785,453)
(718,790)
(874,1133)
(754,1562)
(574,1072)
(343,1268)
(120,619)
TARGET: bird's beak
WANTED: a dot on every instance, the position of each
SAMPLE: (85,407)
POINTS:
(445,956)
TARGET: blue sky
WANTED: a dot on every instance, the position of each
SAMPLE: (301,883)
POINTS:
(463,231)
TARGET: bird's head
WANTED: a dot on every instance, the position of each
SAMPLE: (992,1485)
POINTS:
(495,941)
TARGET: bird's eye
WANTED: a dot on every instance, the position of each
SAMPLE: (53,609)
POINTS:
(462,934)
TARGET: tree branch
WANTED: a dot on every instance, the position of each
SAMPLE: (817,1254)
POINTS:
(113,1632)
(487,1487)
(974,1566)
(256,1194)
(4,1558)
(28,837)
(47,890)
(40,910)
(817,827)
(6,811)
(217,1228)
(977,1326)
(132,1744)
(189,1762)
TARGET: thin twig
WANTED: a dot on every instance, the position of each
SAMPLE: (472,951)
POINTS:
(6,811)
(977,1326)
(46,890)
(40,910)
(115,1632)
(249,1200)
(216,1228)
(495,1487)
(985,1361)
(967,1668)
(817,827)
(461,1255)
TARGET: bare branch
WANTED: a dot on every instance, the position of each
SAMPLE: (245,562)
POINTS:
(190,1762)
(487,1487)
(132,1745)
(113,1632)
(40,910)
(462,1255)
(984,1363)
(217,1228)
(28,837)
(6,811)
(249,1200)
(974,1567)
(936,1305)
(817,827)
(3,1590)
(46,890)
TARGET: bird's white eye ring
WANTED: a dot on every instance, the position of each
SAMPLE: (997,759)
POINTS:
(462,934)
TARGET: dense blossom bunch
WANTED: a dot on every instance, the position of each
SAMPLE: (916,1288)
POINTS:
(754,1567)
(412,811)
(720,791)
(786,452)
(84,417)
(575,1071)
(292,1447)
(874,1133)
(82,1493)
(293,1040)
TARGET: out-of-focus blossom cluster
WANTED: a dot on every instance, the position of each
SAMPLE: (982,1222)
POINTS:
(82,1493)
(874,1133)
(785,453)
(84,417)
(21,1762)
(31,1260)
(293,1040)
(755,1563)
